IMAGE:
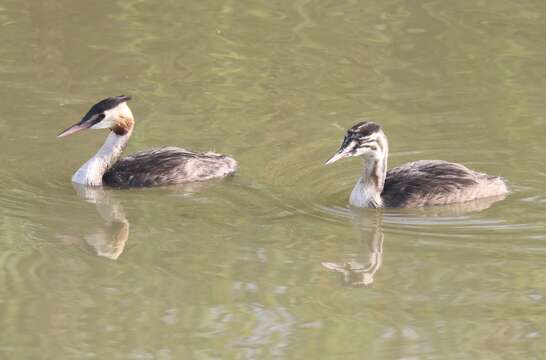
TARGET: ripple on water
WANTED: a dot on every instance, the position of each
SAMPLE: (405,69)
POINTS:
(322,193)
(313,192)
(27,198)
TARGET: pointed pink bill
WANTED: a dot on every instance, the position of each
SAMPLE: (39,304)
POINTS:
(74,129)
(340,154)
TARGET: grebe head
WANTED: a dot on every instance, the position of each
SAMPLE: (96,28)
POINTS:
(111,113)
(363,139)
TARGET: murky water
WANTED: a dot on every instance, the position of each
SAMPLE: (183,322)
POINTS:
(272,263)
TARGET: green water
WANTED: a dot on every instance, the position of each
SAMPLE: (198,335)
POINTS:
(260,266)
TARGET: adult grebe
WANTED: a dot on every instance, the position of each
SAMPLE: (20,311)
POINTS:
(159,166)
(415,184)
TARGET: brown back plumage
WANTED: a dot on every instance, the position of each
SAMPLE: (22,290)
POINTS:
(437,182)
(167,166)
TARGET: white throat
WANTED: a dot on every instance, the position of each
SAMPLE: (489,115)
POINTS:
(368,188)
(92,171)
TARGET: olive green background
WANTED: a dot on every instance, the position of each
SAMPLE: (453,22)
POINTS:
(232,269)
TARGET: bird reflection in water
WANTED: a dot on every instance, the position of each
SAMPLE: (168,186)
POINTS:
(360,271)
(110,240)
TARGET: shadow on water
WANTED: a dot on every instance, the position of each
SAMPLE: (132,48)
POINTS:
(359,270)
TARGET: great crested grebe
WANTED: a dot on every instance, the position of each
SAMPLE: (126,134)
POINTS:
(415,184)
(153,167)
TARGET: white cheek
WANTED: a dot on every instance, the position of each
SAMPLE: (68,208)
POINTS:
(364,152)
(104,124)
(108,121)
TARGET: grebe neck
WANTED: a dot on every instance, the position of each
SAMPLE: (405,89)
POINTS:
(92,171)
(368,188)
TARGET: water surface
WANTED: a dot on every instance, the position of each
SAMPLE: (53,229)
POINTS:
(261,266)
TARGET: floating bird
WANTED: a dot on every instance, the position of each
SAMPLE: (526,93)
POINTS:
(154,167)
(415,184)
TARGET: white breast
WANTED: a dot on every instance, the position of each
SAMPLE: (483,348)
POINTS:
(365,196)
(91,172)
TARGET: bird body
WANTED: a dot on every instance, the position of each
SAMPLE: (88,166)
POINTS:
(170,164)
(437,182)
(153,167)
(415,184)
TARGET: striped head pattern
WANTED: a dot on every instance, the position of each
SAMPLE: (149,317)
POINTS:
(363,139)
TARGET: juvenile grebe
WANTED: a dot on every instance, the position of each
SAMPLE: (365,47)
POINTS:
(415,184)
(153,167)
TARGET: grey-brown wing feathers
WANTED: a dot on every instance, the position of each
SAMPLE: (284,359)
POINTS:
(167,166)
(436,182)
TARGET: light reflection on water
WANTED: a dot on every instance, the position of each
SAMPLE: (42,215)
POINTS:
(233,269)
